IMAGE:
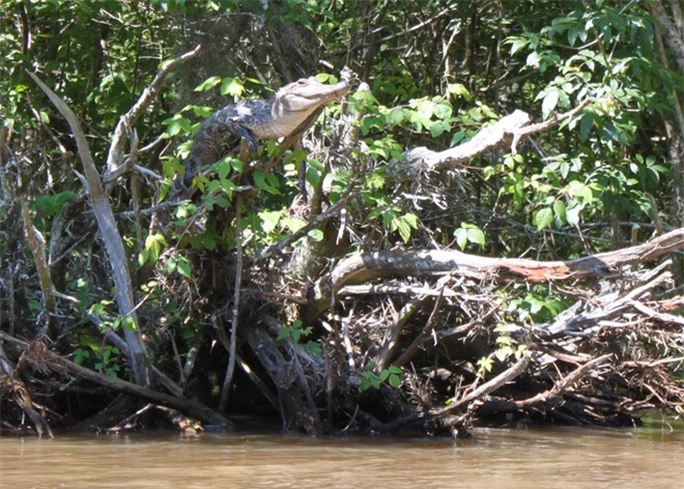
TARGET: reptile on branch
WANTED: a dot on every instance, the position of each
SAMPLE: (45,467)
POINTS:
(286,114)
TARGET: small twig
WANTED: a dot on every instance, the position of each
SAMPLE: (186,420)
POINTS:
(565,383)
(146,171)
(316,221)
(230,370)
(488,387)
(660,316)
(554,121)
(418,341)
(653,363)
(395,329)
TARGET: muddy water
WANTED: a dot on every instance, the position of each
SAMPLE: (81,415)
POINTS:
(569,458)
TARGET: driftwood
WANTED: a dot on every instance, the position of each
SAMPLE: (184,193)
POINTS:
(367,267)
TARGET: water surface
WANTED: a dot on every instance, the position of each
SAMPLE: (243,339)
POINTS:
(493,458)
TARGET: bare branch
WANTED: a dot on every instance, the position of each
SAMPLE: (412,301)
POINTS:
(506,132)
(364,267)
(116,155)
(110,235)
(565,383)
(488,387)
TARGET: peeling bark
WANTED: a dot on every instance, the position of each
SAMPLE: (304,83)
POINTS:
(365,267)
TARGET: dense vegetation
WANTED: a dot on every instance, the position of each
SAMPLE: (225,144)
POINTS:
(391,297)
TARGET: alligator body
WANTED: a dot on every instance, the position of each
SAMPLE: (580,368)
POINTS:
(288,113)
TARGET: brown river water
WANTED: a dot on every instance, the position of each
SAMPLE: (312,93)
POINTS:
(650,458)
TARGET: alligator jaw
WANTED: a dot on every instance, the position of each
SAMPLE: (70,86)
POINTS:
(295,103)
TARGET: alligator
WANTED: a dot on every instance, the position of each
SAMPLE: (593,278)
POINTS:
(287,114)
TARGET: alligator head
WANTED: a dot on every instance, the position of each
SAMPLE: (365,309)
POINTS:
(294,104)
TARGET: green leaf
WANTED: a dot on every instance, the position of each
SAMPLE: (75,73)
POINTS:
(283,334)
(316,235)
(128,323)
(237,165)
(232,86)
(171,266)
(586,123)
(270,220)
(559,210)
(81,355)
(209,242)
(261,182)
(154,243)
(51,204)
(404,227)
(177,125)
(533,59)
(142,257)
(543,218)
(477,236)
(459,90)
(573,215)
(208,84)
(549,103)
(184,268)
(518,44)
(293,223)
(461,238)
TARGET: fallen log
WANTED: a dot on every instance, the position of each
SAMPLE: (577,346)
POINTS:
(365,267)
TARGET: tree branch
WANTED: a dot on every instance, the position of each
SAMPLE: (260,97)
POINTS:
(99,201)
(368,266)
(506,132)
(116,155)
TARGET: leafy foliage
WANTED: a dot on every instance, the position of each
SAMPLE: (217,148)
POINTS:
(437,74)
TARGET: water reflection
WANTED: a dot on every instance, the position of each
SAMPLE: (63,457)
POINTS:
(567,458)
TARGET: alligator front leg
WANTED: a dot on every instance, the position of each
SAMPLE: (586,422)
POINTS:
(246,135)
(214,140)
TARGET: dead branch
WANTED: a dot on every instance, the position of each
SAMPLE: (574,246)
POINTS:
(313,224)
(191,408)
(283,373)
(485,389)
(36,242)
(565,383)
(112,239)
(412,349)
(576,321)
(230,369)
(488,387)
(369,266)
(506,132)
(116,156)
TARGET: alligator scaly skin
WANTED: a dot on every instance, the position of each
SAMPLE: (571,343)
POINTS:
(290,111)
